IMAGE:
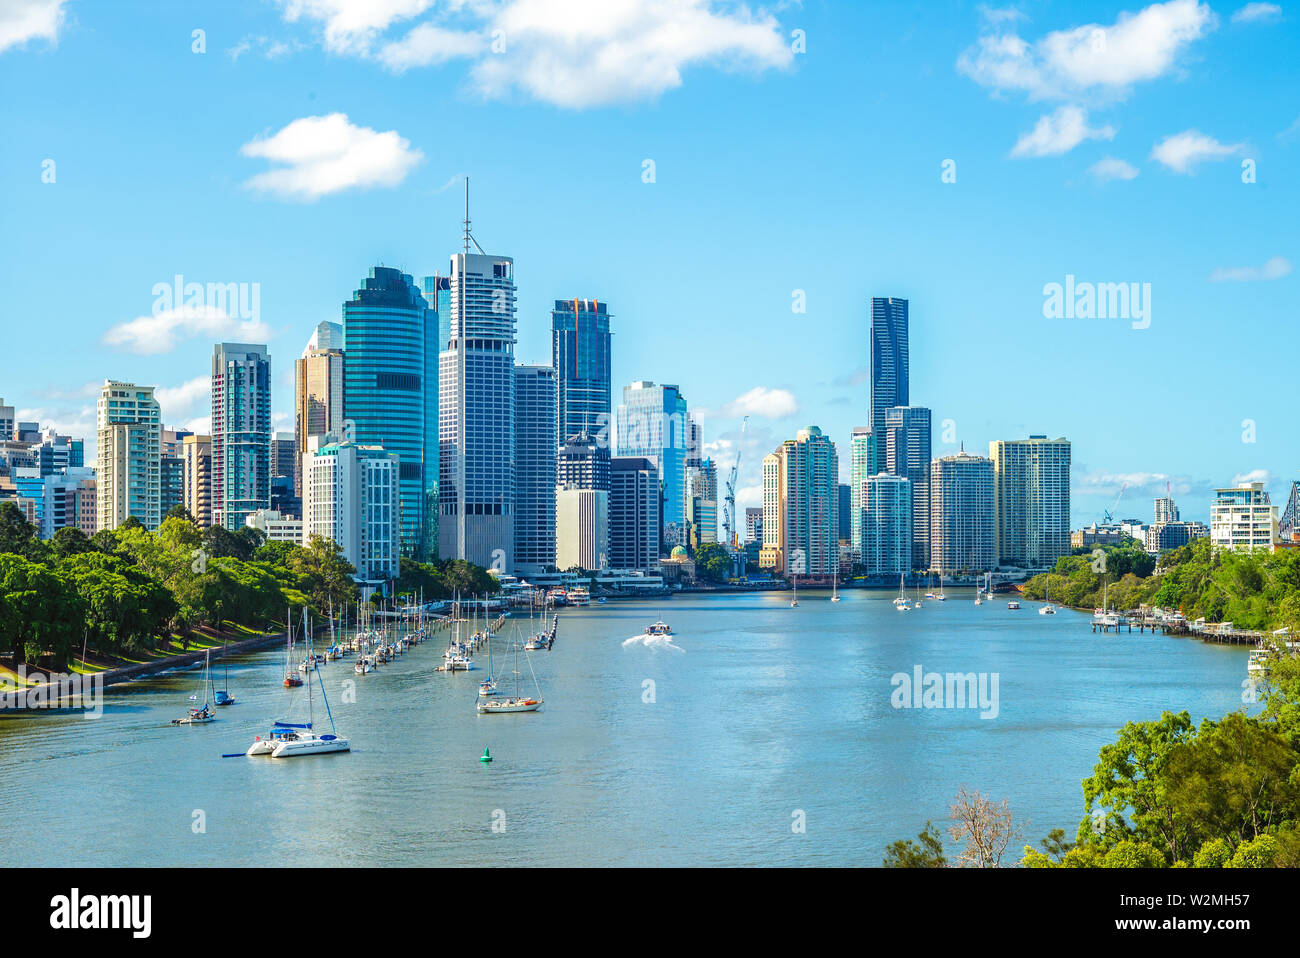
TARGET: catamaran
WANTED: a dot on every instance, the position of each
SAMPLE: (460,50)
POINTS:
(196,714)
(516,702)
(1048,608)
(287,740)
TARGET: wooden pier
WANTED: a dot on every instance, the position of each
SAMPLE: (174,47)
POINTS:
(1207,632)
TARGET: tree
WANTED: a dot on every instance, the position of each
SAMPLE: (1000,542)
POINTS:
(909,854)
(712,563)
(327,574)
(38,612)
(984,828)
(70,541)
(16,533)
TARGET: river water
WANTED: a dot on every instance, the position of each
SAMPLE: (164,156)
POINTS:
(761,734)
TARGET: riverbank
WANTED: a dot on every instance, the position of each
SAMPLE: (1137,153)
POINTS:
(76,686)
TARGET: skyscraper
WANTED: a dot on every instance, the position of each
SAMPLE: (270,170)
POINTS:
(801,506)
(476,412)
(318,391)
(701,500)
(1031,500)
(889,358)
(172,468)
(581,529)
(580,352)
(535,469)
(351,495)
(197,453)
(390,377)
(1165,510)
(129,474)
(907,454)
(652,423)
(582,463)
(863,462)
(633,514)
(241,432)
(886,525)
(961,514)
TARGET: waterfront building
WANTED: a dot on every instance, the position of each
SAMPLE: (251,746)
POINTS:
(1243,518)
(241,432)
(580,353)
(889,358)
(276,526)
(652,424)
(129,480)
(633,514)
(353,496)
(535,469)
(476,412)
(886,525)
(390,385)
(863,462)
(1097,534)
(196,453)
(1031,500)
(581,529)
(801,506)
(907,454)
(961,515)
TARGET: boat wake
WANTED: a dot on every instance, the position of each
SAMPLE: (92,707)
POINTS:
(654,643)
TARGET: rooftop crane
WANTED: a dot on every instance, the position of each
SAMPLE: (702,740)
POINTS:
(1115,505)
(729,507)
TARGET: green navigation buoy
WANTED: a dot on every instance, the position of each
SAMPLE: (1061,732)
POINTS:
(487,756)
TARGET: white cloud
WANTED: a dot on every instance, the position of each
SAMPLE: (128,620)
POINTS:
(427,45)
(185,402)
(1095,58)
(1257,13)
(1133,483)
(1254,475)
(1110,168)
(1182,152)
(1060,132)
(763,402)
(351,26)
(1275,268)
(23,20)
(327,154)
(162,331)
(570,53)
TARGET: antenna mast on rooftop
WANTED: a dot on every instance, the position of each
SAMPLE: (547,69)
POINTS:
(469,238)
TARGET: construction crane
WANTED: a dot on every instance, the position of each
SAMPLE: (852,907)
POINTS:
(729,504)
(1115,505)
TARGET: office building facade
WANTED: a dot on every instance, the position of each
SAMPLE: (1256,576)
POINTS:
(1031,501)
(129,467)
(907,454)
(535,469)
(961,515)
(241,432)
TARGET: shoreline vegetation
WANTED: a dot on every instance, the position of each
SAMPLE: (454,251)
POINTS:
(1166,793)
(127,597)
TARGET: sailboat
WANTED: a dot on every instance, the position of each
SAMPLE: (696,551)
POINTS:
(516,702)
(930,593)
(197,714)
(795,601)
(835,589)
(1048,608)
(901,603)
(979,594)
(287,740)
(489,685)
(941,597)
(456,658)
(917,604)
(222,695)
(291,681)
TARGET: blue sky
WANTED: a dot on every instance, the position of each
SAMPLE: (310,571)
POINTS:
(314,139)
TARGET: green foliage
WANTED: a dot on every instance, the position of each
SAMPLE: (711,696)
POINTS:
(1216,853)
(1261,852)
(909,854)
(1129,854)
(712,562)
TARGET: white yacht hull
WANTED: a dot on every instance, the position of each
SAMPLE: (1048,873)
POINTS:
(311,746)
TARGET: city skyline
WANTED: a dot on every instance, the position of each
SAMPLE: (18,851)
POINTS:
(977,305)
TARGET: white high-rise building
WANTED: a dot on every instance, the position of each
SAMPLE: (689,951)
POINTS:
(801,497)
(1243,517)
(476,413)
(1031,500)
(862,463)
(351,494)
(129,473)
(961,514)
(886,525)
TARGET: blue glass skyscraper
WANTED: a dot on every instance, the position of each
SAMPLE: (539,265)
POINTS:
(652,424)
(580,353)
(889,361)
(390,384)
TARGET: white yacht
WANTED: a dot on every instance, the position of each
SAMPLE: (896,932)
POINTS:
(513,703)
